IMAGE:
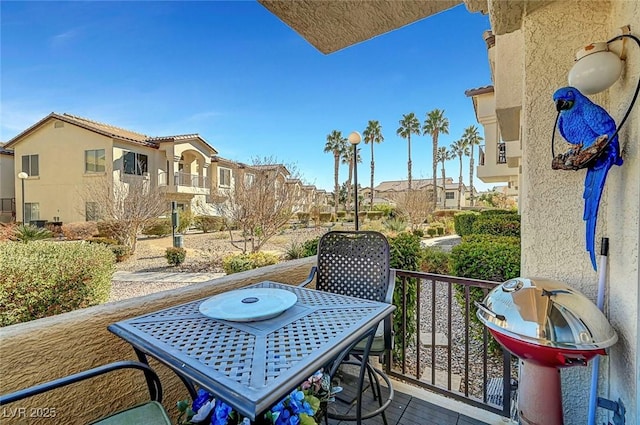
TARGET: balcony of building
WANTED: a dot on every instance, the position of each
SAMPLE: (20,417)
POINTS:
(181,182)
(493,164)
(446,376)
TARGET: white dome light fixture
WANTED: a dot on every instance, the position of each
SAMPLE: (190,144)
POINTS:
(596,69)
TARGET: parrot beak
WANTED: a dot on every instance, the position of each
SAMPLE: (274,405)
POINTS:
(563,105)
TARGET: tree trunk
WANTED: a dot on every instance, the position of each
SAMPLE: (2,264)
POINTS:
(347,202)
(372,167)
(435,170)
(471,175)
(460,182)
(444,191)
(409,161)
(336,193)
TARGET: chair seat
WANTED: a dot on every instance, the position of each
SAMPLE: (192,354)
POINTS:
(377,346)
(150,413)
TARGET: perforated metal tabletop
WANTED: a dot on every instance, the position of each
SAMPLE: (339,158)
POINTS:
(253,365)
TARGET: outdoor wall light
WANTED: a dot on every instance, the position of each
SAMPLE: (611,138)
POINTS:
(597,67)
(355,138)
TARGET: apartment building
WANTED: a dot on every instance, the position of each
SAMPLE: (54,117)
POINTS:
(447,191)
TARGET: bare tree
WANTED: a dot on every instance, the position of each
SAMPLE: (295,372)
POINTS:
(261,206)
(415,206)
(128,204)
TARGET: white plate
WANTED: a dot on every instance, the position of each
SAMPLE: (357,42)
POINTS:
(248,305)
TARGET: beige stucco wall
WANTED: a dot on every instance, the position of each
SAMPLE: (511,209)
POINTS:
(7,175)
(553,241)
(508,77)
(59,187)
(53,347)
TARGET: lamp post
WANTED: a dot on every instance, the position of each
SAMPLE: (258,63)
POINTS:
(23,176)
(355,138)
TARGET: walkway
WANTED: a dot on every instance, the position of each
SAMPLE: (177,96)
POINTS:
(164,277)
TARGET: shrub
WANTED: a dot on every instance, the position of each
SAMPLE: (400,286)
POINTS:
(431,231)
(341,214)
(497,224)
(175,256)
(484,257)
(498,212)
(440,230)
(405,255)
(30,233)
(106,241)
(434,260)
(303,217)
(208,223)
(374,215)
(418,232)
(158,227)
(464,222)
(121,252)
(294,251)
(325,217)
(241,262)
(310,247)
(395,225)
(7,232)
(445,213)
(185,220)
(81,230)
(43,278)
(112,229)
(386,210)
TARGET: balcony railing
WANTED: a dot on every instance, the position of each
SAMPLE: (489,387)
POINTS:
(7,205)
(190,180)
(502,153)
(443,356)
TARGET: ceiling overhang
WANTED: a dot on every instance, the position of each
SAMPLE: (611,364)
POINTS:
(332,25)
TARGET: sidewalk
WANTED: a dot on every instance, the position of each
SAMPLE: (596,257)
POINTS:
(122,276)
(444,242)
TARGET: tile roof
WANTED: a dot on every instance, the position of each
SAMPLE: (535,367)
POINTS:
(4,151)
(479,91)
(109,131)
(403,185)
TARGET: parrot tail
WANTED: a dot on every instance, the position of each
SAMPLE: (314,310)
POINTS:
(593,187)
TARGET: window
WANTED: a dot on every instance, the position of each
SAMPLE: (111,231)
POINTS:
(30,165)
(92,211)
(94,161)
(450,195)
(249,179)
(135,163)
(31,211)
(225,177)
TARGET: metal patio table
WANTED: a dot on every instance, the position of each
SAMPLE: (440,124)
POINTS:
(253,365)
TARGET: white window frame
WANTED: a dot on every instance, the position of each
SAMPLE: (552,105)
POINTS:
(221,179)
(29,168)
(31,211)
(450,192)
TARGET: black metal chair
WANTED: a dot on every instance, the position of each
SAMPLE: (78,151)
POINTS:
(149,413)
(356,263)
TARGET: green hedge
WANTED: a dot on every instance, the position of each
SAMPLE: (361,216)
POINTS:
(497,224)
(241,262)
(463,222)
(374,215)
(325,217)
(405,255)
(208,223)
(175,255)
(310,247)
(486,257)
(434,260)
(158,227)
(41,279)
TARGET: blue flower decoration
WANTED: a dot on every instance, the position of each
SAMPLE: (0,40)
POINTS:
(221,413)
(202,398)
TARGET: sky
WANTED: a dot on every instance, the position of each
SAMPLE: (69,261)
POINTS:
(241,78)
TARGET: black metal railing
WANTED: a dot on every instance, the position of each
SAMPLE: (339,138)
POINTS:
(502,153)
(449,353)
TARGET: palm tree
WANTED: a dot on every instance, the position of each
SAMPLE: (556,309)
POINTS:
(347,159)
(373,134)
(409,124)
(434,124)
(444,155)
(460,148)
(471,138)
(336,144)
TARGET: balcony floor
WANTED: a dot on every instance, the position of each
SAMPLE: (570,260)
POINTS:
(406,409)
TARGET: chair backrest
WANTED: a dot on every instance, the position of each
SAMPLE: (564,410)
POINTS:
(354,264)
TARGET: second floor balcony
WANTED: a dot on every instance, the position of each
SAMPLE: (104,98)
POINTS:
(182,182)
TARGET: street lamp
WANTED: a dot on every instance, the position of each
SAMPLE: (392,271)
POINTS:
(23,176)
(355,138)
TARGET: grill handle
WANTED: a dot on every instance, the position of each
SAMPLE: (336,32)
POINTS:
(490,312)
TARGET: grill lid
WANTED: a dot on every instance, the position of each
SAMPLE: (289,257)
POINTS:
(546,312)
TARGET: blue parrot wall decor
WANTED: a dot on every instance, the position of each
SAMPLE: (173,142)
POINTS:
(591,132)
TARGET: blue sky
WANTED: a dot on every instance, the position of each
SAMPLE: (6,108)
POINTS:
(246,82)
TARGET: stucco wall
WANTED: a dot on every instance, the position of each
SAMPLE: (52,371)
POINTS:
(53,347)
(553,241)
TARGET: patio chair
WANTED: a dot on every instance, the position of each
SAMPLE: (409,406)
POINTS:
(149,413)
(356,263)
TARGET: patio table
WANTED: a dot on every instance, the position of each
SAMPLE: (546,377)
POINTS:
(253,365)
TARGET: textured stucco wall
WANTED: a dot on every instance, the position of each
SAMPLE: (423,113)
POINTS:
(553,232)
(57,346)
